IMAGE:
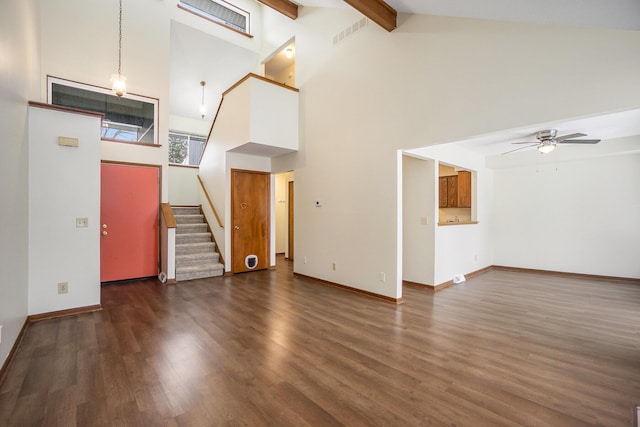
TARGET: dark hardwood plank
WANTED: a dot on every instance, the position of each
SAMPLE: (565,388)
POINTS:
(267,348)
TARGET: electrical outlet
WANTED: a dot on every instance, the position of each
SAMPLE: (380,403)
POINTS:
(475,257)
(383,276)
(63,287)
(334,266)
(305,260)
(0,334)
(82,222)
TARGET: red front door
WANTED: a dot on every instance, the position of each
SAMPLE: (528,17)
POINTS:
(129,203)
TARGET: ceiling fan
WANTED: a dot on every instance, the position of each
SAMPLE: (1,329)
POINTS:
(548,141)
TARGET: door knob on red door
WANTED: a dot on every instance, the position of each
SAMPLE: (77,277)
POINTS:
(104,233)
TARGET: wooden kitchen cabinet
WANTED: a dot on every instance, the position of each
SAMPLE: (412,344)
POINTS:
(455,191)
(443,193)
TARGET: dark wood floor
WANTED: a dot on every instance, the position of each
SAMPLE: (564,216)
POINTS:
(266,348)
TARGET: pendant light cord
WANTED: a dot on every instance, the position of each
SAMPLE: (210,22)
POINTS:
(120,41)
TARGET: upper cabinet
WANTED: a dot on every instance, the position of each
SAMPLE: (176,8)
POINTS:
(455,191)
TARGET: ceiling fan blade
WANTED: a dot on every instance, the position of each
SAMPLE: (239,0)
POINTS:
(521,148)
(579,141)
(525,142)
(570,136)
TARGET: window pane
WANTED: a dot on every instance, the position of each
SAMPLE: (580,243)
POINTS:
(196,146)
(178,147)
(219,12)
(185,148)
(125,119)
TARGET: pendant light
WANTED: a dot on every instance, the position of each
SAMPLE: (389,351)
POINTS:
(119,82)
(203,108)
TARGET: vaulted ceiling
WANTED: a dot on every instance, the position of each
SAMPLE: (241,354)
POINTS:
(615,14)
(189,69)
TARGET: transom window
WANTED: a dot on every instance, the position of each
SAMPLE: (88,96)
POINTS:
(220,11)
(130,118)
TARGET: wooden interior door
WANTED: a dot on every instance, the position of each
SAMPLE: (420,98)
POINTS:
(129,202)
(250,215)
(290,220)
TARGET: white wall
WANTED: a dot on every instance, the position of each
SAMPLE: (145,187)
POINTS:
(19,82)
(274,115)
(64,184)
(462,249)
(580,218)
(189,125)
(419,199)
(432,80)
(184,188)
(286,76)
(86,50)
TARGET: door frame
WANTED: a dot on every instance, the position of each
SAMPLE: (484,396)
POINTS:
(290,220)
(146,165)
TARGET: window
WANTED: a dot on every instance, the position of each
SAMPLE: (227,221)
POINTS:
(130,118)
(185,148)
(219,11)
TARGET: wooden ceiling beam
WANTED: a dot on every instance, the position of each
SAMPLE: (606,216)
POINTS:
(285,7)
(378,11)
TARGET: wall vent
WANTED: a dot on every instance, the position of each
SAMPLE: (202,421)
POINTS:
(350,31)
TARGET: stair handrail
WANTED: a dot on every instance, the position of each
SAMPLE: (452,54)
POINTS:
(167,214)
(213,208)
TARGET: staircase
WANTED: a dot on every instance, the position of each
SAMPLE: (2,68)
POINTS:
(196,255)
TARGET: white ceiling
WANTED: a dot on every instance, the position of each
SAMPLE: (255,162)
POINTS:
(612,129)
(190,64)
(619,14)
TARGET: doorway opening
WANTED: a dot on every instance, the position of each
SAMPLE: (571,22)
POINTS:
(281,65)
(284,212)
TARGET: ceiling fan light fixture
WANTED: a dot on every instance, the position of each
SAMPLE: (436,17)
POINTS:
(546,147)
(289,52)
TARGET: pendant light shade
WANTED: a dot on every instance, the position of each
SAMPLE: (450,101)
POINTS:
(118,81)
